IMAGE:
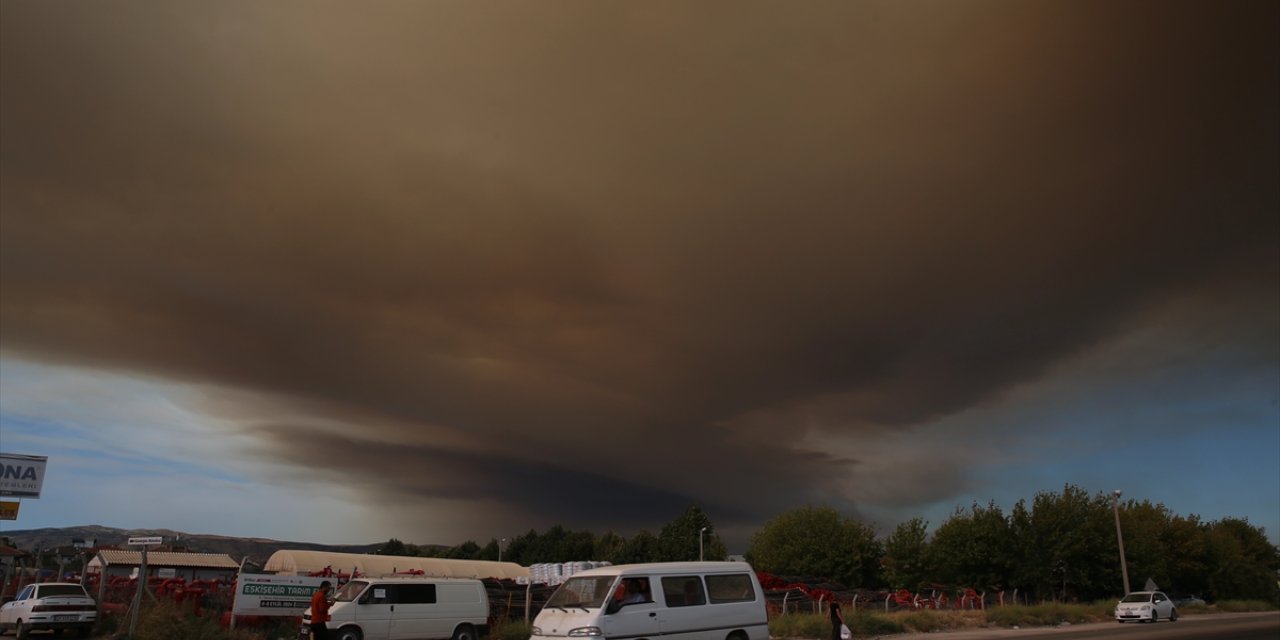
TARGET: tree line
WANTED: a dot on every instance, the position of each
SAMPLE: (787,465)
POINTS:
(1060,546)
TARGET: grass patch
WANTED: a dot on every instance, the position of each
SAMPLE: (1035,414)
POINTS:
(511,630)
(818,625)
(1050,614)
(1241,606)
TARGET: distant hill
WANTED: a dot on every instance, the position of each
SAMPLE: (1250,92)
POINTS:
(256,549)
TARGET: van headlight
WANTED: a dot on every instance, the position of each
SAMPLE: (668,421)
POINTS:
(536,631)
(581,632)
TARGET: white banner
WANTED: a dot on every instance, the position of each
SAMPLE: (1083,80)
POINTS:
(269,595)
(21,476)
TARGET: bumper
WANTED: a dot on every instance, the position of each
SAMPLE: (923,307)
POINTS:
(1135,616)
(52,622)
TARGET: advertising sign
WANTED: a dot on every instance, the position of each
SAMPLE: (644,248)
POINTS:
(9,510)
(21,476)
(269,595)
(148,541)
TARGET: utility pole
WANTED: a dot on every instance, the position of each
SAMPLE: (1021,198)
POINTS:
(1124,570)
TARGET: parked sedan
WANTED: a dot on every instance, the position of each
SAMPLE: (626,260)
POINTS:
(57,606)
(1147,606)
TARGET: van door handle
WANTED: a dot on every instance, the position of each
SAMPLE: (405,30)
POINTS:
(653,614)
(393,607)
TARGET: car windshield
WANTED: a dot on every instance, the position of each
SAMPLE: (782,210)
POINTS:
(62,590)
(585,592)
(350,591)
(1137,597)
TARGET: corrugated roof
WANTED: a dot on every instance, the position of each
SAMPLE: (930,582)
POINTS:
(165,559)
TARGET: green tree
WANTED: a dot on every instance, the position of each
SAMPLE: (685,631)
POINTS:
(394,547)
(642,547)
(906,553)
(1067,546)
(608,548)
(819,542)
(1185,545)
(681,538)
(1243,563)
(974,549)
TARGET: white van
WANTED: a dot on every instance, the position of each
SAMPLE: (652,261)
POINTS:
(408,609)
(676,600)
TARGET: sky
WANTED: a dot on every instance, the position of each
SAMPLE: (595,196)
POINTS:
(444,271)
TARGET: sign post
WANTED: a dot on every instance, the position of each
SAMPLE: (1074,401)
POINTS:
(149,541)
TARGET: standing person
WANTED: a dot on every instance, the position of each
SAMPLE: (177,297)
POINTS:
(837,620)
(320,612)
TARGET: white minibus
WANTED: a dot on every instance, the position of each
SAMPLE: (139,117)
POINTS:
(671,600)
(408,609)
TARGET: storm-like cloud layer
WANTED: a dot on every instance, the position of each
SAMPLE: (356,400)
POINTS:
(522,255)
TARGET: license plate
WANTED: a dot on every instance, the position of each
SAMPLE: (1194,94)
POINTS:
(65,618)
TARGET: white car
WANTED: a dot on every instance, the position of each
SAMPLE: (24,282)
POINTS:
(1147,606)
(56,606)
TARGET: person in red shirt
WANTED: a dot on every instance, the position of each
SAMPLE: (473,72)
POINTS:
(320,612)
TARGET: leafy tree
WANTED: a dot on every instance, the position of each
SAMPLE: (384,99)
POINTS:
(681,538)
(394,547)
(1065,546)
(642,547)
(1243,563)
(1184,544)
(608,547)
(906,553)
(489,551)
(974,549)
(817,541)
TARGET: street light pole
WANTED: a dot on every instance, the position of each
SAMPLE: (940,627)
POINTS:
(1124,570)
(500,541)
(700,533)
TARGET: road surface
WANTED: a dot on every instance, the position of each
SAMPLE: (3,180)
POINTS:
(1218,626)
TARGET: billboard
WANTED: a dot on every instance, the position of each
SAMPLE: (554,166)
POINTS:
(9,510)
(21,476)
(271,595)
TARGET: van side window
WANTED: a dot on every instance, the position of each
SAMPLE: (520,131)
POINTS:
(683,591)
(380,594)
(416,594)
(733,587)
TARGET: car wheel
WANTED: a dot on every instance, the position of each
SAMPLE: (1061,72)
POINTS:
(348,633)
(1173,615)
(1155,615)
(464,632)
(20,630)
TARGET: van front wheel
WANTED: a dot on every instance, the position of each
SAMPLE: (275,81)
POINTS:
(347,633)
(464,632)
(737,635)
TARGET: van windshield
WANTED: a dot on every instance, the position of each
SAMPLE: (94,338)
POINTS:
(350,591)
(588,592)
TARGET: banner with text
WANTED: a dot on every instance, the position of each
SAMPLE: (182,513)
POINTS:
(21,476)
(269,595)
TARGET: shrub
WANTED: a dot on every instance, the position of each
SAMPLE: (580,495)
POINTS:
(1243,606)
(818,625)
(800,625)
(511,630)
(863,623)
